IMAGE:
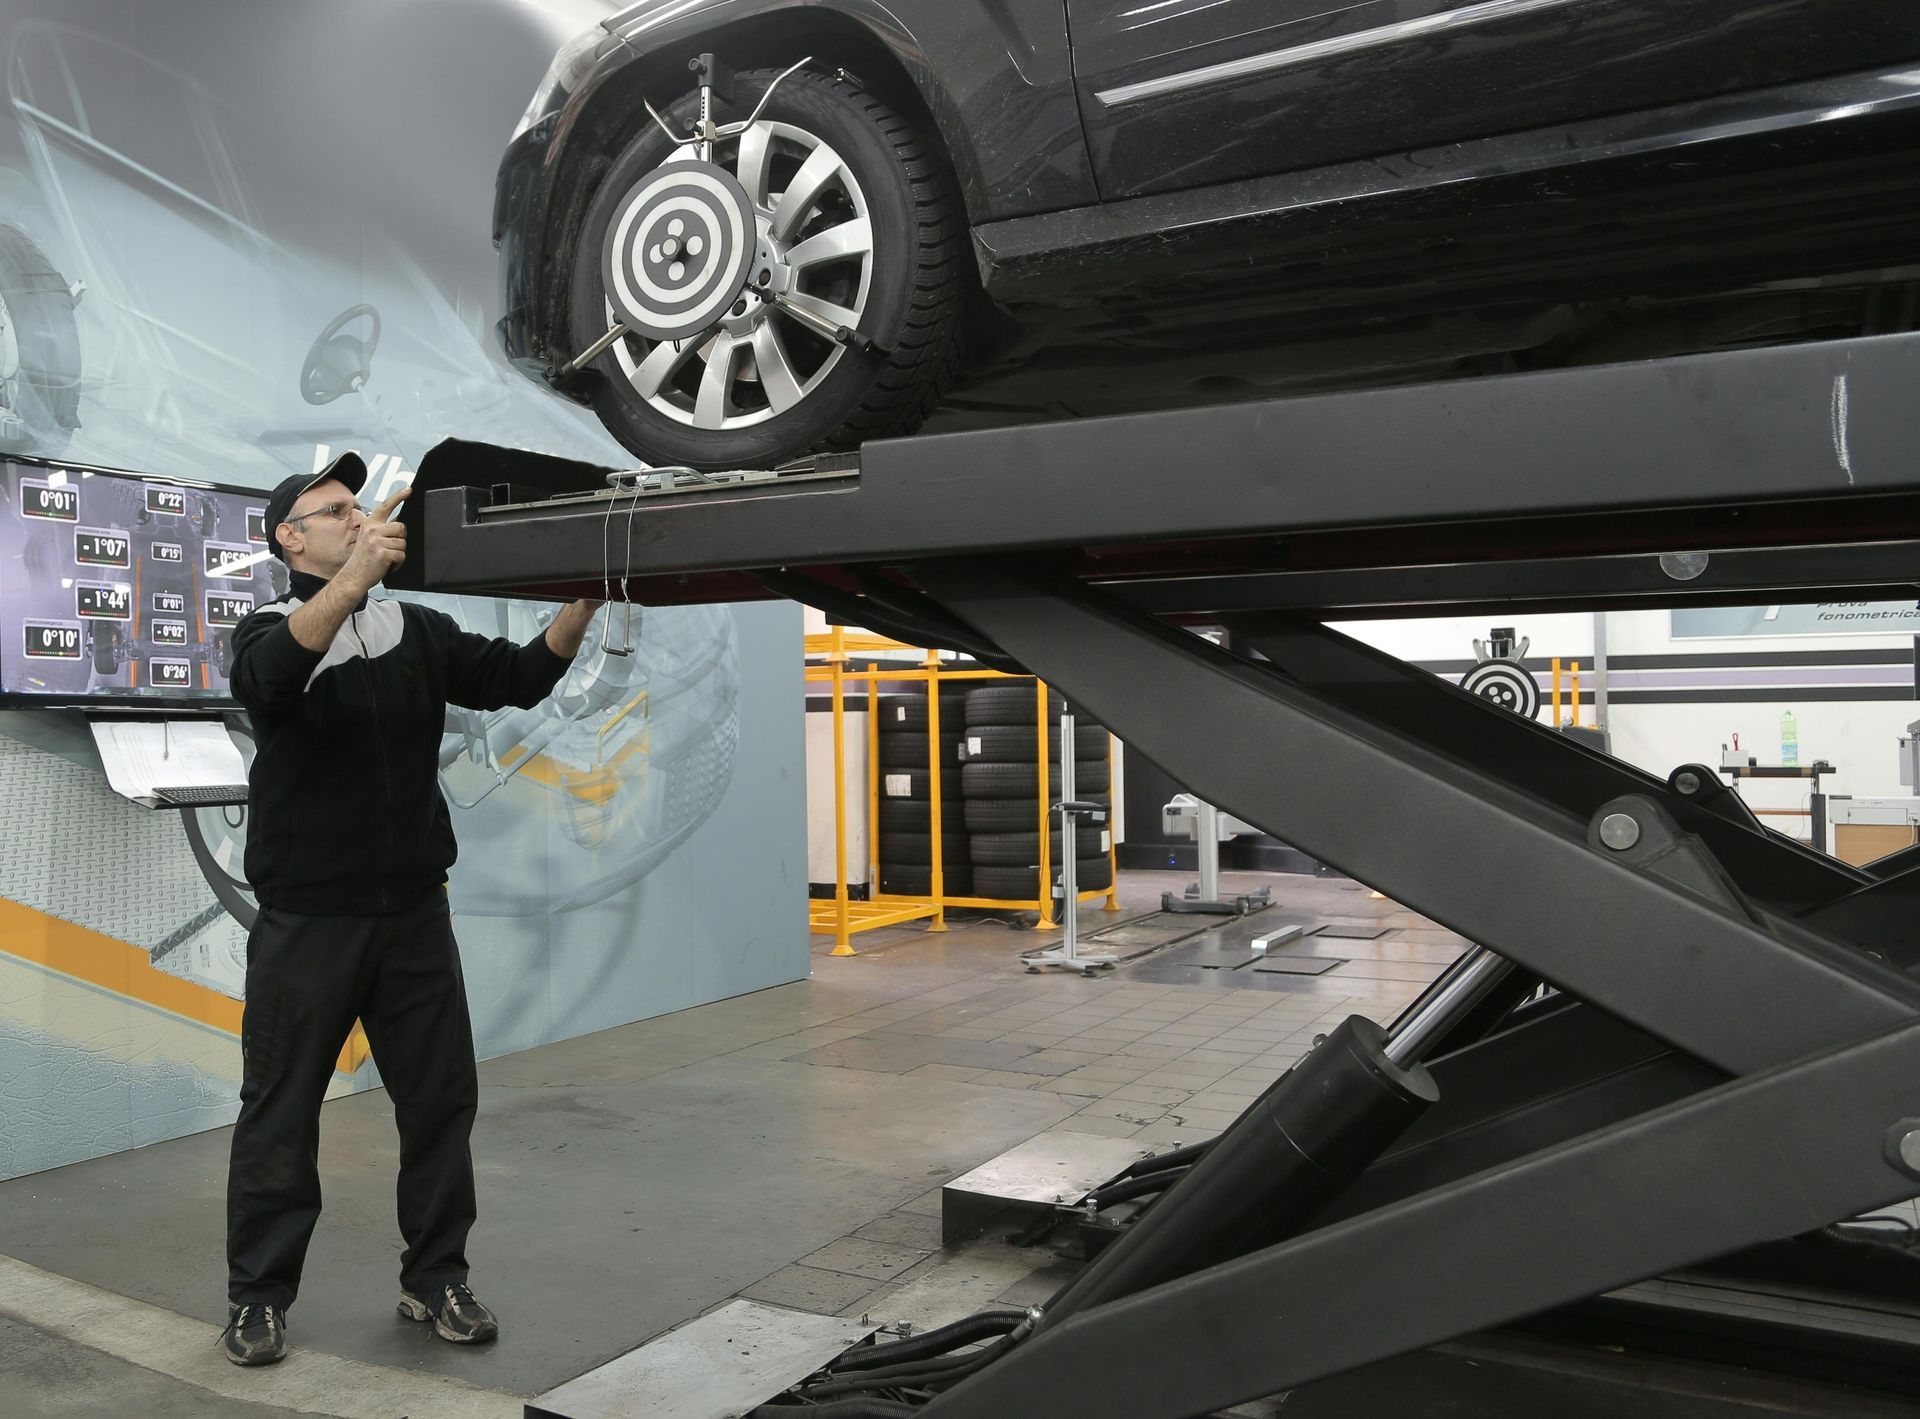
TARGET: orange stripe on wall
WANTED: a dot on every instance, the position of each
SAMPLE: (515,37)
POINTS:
(84,955)
(112,965)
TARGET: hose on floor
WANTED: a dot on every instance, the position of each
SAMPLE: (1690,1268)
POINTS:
(1160,1162)
(1135,1187)
(1856,1235)
(924,1362)
(930,1343)
(921,1374)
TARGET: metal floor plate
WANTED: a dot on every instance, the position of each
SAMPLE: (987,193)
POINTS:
(1056,1166)
(1145,933)
(719,1366)
(1296,965)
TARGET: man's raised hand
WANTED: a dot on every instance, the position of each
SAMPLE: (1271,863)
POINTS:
(381,547)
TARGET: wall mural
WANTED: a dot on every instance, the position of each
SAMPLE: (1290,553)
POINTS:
(234,241)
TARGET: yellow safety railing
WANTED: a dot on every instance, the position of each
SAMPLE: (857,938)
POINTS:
(840,916)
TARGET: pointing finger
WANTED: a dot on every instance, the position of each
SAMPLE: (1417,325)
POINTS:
(385,510)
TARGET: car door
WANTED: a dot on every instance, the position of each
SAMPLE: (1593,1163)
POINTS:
(1182,93)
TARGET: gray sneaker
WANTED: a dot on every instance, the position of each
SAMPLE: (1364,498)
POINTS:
(455,1314)
(255,1335)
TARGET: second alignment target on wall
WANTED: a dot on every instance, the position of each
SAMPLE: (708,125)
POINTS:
(1505,683)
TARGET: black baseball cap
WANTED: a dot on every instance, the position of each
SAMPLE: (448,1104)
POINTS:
(348,469)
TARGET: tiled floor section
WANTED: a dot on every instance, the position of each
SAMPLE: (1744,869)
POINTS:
(1163,1064)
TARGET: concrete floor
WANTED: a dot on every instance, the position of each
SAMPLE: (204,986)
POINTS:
(43,1365)
(787,1146)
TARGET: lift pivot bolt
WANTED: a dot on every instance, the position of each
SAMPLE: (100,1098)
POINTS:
(1619,831)
(1903,1146)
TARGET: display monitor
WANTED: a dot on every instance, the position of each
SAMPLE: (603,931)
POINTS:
(122,588)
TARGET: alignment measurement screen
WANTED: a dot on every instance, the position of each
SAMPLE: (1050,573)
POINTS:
(124,587)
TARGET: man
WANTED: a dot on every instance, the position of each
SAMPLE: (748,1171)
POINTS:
(348,846)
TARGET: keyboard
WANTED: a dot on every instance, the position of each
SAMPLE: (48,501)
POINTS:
(203,795)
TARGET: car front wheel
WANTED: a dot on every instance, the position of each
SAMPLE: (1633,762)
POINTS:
(856,228)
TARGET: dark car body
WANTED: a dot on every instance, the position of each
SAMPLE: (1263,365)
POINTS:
(1262,192)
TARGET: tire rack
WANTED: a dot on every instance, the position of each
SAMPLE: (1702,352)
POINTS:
(1731,1055)
(840,916)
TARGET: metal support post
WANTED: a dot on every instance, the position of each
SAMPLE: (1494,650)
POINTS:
(1601,718)
(1209,853)
(936,800)
(843,940)
(1068,810)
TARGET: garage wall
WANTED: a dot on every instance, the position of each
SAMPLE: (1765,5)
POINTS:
(1675,699)
(246,179)
(121,970)
(1823,679)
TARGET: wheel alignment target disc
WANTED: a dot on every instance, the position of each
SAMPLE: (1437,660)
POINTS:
(678,250)
(1505,684)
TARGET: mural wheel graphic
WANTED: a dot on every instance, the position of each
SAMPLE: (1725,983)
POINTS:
(39,350)
(218,837)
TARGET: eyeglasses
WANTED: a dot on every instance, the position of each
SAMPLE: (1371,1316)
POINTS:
(337,511)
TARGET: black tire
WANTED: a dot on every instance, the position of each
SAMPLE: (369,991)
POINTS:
(1023,849)
(43,389)
(907,714)
(920,269)
(1014,884)
(1023,780)
(1020,744)
(909,751)
(1013,815)
(914,782)
(915,815)
(910,849)
(103,642)
(1015,702)
(916,880)
(1096,874)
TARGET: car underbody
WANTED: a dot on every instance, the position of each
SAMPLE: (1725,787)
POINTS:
(1320,280)
(1064,370)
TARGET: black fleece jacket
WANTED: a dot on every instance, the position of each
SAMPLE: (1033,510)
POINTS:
(344,811)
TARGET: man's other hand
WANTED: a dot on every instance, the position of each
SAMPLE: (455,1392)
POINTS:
(564,635)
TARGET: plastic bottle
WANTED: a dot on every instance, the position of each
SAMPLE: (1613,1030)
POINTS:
(1789,740)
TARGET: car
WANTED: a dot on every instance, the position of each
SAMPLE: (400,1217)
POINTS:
(944,212)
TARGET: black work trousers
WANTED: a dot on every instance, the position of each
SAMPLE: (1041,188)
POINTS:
(308,978)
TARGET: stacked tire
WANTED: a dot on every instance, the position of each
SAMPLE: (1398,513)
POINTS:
(906,799)
(1000,784)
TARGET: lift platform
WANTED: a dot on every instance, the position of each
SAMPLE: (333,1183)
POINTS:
(1727,1054)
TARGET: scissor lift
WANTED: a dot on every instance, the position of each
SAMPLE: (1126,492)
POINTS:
(1731,1051)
